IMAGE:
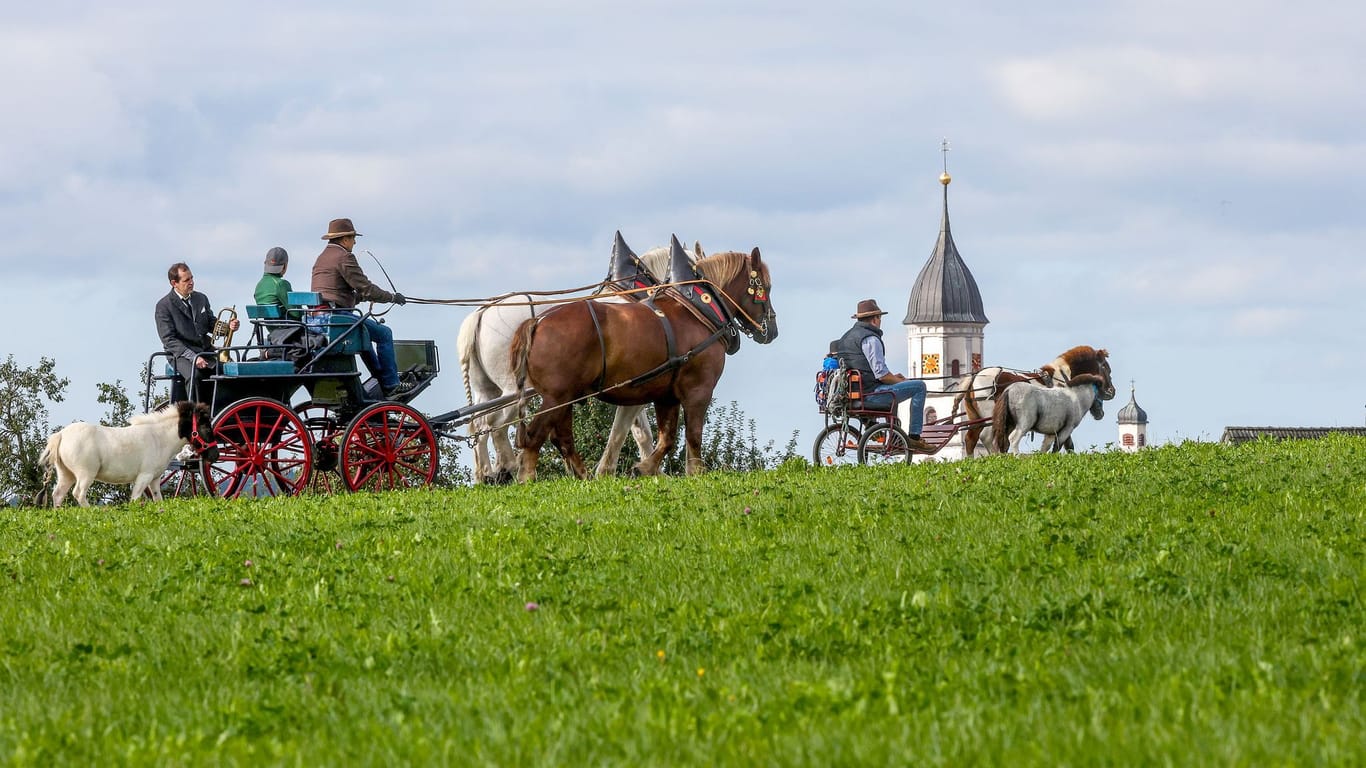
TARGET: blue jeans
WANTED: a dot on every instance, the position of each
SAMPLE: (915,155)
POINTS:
(382,362)
(914,390)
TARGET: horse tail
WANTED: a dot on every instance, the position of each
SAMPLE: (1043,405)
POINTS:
(469,335)
(521,352)
(48,458)
(1001,421)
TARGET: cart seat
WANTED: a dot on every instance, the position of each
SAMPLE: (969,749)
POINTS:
(342,326)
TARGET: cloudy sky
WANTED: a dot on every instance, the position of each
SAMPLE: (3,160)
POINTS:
(1178,182)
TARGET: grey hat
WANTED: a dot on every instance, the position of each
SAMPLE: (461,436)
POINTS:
(276,261)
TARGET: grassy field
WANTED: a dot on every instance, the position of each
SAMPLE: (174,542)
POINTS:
(1195,605)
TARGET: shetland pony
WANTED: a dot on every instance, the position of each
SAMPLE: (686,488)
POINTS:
(82,453)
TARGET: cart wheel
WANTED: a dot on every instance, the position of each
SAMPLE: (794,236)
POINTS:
(263,450)
(324,429)
(884,444)
(388,445)
(836,445)
(184,480)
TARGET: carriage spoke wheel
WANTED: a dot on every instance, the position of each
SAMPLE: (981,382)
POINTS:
(836,446)
(388,445)
(263,450)
(184,480)
(324,430)
(884,444)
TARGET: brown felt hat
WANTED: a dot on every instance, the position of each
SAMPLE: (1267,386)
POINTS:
(340,228)
(867,308)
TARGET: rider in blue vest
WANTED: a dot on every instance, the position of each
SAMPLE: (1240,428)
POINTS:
(861,348)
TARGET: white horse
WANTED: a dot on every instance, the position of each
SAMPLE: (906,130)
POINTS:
(139,453)
(486,367)
(1052,411)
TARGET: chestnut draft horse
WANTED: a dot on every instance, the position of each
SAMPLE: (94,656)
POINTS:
(978,391)
(661,351)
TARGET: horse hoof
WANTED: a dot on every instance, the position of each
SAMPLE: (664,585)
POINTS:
(504,477)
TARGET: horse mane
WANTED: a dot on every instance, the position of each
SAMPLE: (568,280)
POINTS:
(1079,353)
(721,268)
(165,414)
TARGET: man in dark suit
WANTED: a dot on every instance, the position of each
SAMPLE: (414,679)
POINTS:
(185,324)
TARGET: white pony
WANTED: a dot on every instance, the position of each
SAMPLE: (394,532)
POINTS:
(139,453)
(486,367)
(1051,411)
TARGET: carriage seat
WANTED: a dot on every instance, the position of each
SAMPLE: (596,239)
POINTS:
(342,326)
(865,405)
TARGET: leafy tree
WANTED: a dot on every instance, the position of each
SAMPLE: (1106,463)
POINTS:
(730,442)
(449,473)
(23,423)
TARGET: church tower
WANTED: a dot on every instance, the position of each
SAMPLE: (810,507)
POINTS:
(944,322)
(1133,425)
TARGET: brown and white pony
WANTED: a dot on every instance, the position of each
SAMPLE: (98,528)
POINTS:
(1053,412)
(665,353)
(139,453)
(977,392)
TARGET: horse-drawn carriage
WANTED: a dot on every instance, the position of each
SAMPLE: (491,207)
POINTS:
(861,426)
(292,409)
(287,416)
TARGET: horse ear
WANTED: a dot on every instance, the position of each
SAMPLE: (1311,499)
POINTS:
(754,256)
(697,250)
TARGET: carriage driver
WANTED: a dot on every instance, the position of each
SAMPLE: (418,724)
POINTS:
(861,349)
(185,324)
(338,277)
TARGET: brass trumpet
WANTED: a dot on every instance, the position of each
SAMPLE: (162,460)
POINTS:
(222,331)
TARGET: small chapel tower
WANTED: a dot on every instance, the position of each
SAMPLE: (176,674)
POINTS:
(944,322)
(1133,425)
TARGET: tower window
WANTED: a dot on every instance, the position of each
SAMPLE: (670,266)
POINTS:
(955,367)
(1128,440)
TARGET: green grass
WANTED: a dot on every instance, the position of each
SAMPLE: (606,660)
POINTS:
(1195,605)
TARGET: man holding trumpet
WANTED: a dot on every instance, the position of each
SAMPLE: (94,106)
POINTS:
(185,323)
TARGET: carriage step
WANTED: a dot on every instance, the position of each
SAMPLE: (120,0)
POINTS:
(259,368)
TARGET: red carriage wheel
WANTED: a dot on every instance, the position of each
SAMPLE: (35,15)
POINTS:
(388,445)
(263,450)
(182,480)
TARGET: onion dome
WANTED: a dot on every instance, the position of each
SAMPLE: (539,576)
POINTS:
(1132,413)
(945,291)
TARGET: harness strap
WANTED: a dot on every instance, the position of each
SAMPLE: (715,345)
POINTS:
(670,341)
(602,344)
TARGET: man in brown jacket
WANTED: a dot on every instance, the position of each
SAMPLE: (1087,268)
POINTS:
(338,277)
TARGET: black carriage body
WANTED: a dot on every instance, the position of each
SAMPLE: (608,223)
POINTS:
(288,414)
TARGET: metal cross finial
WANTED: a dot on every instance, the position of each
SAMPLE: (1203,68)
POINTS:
(944,147)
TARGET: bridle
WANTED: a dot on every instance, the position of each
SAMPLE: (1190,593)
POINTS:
(201,446)
(758,293)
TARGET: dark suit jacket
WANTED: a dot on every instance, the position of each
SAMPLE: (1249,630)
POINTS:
(185,332)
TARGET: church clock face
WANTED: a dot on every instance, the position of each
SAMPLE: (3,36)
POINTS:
(929,364)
